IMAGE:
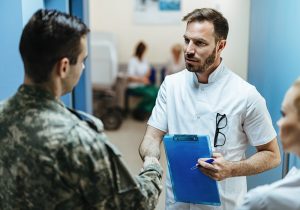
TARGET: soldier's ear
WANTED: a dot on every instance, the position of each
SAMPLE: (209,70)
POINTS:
(62,68)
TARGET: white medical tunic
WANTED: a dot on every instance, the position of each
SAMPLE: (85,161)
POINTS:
(185,106)
(281,195)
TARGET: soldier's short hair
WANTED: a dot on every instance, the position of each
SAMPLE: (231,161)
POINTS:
(49,36)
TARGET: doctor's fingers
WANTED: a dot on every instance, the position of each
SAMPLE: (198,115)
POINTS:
(207,173)
(211,169)
(218,176)
(212,175)
(208,166)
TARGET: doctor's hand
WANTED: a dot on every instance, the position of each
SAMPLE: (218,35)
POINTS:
(218,170)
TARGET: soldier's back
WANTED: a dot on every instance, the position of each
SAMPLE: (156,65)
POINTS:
(40,142)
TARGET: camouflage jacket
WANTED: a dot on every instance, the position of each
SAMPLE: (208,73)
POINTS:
(50,159)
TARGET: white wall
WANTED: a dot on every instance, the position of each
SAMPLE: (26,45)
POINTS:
(116,16)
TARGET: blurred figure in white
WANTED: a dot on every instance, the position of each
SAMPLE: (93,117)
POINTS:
(176,62)
(283,194)
(139,73)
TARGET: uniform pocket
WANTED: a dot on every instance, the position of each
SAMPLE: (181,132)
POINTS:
(228,133)
(233,125)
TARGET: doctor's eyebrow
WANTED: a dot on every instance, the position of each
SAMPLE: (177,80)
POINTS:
(199,40)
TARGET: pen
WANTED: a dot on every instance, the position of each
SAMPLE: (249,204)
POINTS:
(207,161)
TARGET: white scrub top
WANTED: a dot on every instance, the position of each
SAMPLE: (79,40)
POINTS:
(137,68)
(185,106)
(281,195)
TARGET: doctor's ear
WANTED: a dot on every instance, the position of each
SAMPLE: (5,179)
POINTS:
(63,66)
(221,45)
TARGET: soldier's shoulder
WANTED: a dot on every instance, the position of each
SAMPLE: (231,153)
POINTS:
(4,103)
(4,109)
(69,129)
(86,135)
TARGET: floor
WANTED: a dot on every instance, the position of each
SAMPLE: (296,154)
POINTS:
(128,139)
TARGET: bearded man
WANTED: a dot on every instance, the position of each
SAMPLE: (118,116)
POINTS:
(207,98)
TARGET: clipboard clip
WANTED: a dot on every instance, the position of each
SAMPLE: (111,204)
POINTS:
(210,161)
(185,137)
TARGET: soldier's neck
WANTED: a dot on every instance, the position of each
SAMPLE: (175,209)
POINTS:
(50,86)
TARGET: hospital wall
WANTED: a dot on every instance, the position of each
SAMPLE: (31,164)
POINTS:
(117,17)
(14,14)
(274,64)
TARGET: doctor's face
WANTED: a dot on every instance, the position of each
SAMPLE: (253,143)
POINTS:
(200,46)
(289,123)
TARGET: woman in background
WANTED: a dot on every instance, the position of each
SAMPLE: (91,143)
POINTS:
(139,83)
(283,194)
(176,63)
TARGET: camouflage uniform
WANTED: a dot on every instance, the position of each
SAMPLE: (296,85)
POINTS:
(50,159)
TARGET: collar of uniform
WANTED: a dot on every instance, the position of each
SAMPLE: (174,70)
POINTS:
(214,76)
(36,92)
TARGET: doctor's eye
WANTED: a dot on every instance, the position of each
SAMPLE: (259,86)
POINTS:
(186,41)
(200,44)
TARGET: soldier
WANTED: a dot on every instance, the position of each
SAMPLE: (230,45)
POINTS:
(55,158)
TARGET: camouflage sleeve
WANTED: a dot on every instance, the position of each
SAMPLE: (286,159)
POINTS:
(93,170)
(150,184)
(146,195)
(84,168)
(140,192)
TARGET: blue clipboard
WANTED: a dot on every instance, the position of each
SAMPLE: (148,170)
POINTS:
(190,186)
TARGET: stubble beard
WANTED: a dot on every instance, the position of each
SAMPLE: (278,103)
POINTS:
(205,66)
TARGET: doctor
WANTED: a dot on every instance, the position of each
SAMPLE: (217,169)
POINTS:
(208,98)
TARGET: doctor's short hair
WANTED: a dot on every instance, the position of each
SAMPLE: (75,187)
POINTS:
(48,37)
(216,18)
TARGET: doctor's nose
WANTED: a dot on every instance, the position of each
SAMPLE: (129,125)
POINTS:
(190,50)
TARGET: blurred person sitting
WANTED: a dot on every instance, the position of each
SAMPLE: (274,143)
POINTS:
(176,62)
(139,73)
(52,157)
(283,194)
